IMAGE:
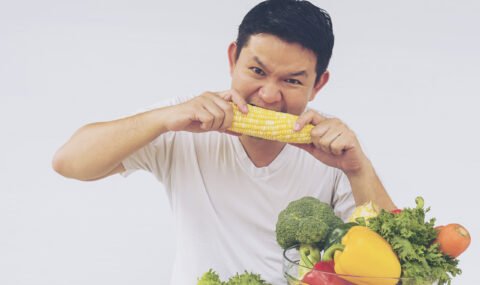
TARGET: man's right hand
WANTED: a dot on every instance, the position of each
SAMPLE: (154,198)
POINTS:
(209,111)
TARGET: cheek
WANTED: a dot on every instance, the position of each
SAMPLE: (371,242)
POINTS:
(244,83)
(296,102)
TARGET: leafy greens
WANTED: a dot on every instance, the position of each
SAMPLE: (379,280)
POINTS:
(412,238)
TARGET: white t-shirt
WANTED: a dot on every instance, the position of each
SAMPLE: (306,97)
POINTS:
(225,208)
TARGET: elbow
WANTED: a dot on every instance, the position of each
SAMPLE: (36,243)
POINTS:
(66,166)
(59,163)
(62,164)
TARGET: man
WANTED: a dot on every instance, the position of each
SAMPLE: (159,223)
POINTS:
(226,191)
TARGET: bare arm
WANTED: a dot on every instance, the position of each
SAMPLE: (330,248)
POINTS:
(98,149)
(366,186)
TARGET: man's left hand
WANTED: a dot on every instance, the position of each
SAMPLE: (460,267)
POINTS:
(333,143)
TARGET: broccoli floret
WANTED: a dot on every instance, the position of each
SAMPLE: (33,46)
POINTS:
(210,278)
(306,223)
(246,278)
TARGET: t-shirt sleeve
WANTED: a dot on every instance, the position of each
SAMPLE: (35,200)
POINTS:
(343,201)
(156,156)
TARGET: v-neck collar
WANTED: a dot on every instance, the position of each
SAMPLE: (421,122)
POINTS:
(250,167)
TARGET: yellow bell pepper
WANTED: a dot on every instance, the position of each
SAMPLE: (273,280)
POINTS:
(363,252)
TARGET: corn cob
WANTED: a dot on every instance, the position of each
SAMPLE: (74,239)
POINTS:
(270,125)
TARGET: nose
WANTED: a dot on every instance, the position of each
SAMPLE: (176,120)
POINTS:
(270,93)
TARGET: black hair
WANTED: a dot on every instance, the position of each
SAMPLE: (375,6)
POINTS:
(294,21)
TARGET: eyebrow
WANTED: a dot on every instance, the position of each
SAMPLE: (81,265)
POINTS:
(294,74)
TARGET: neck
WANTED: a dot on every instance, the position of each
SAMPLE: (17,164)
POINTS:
(261,152)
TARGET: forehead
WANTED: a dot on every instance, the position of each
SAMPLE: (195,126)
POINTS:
(277,52)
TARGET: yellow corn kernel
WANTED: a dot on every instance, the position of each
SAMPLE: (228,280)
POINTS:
(270,125)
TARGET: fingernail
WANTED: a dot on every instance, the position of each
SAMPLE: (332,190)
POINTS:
(244,108)
(296,127)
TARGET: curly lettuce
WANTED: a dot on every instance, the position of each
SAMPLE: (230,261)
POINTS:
(412,238)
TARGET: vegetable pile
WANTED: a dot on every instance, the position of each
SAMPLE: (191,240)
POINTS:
(413,240)
(375,243)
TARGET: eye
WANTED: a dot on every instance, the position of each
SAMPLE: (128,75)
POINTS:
(257,70)
(293,81)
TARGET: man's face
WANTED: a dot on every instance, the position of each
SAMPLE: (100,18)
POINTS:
(274,74)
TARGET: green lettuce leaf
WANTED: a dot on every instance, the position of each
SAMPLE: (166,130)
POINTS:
(412,239)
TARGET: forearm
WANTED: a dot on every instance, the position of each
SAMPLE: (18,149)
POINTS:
(96,149)
(366,186)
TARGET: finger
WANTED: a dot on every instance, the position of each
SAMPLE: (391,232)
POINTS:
(228,118)
(227,111)
(227,115)
(205,118)
(334,147)
(217,113)
(341,144)
(319,131)
(226,95)
(219,106)
(233,96)
(308,117)
(328,138)
(326,132)
(239,101)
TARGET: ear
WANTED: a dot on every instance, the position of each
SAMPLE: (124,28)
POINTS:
(320,83)
(232,52)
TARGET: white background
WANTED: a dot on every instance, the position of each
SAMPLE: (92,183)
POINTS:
(405,77)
